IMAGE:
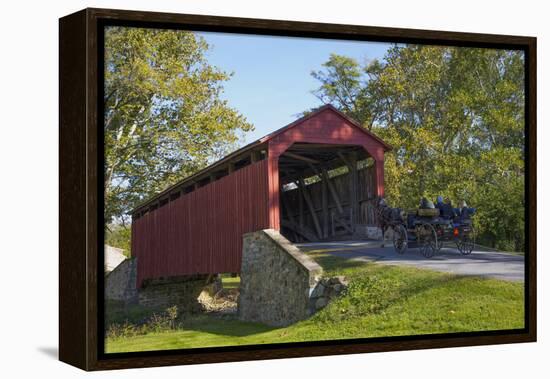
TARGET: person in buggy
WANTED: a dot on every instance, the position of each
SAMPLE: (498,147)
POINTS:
(463,212)
(426,204)
(445,208)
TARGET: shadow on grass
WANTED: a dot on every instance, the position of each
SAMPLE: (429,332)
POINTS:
(214,324)
(331,262)
(226,327)
(118,312)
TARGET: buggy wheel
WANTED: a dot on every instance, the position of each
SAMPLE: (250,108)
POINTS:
(400,239)
(466,243)
(427,240)
(440,240)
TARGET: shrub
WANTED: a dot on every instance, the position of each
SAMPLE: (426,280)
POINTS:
(157,322)
(364,295)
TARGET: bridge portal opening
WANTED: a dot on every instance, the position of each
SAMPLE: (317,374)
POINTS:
(327,192)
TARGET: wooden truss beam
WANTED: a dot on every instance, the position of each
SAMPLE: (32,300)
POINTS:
(301,230)
(286,207)
(344,224)
(324,202)
(324,177)
(351,163)
(309,203)
(300,157)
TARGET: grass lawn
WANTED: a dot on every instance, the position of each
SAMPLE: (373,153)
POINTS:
(380,301)
(230,282)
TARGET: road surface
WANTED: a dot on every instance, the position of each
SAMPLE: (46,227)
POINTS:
(497,265)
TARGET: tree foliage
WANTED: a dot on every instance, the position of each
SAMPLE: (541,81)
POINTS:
(455,119)
(119,236)
(164,115)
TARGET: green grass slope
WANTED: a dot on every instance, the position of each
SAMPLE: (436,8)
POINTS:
(380,301)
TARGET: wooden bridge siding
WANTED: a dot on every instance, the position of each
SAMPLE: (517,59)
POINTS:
(326,127)
(201,232)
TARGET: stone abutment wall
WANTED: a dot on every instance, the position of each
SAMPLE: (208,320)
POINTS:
(182,292)
(277,280)
(120,284)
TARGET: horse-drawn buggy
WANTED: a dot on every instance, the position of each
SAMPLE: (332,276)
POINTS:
(428,227)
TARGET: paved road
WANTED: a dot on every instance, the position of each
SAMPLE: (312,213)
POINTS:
(481,263)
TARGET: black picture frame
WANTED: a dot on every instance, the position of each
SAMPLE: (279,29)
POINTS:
(81,188)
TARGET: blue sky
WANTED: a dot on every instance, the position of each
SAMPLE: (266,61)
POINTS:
(272,84)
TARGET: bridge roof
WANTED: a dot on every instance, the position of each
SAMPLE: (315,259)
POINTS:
(260,146)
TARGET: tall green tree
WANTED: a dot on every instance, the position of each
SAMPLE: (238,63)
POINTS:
(455,118)
(164,114)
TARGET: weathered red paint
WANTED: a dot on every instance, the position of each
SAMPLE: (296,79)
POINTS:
(201,232)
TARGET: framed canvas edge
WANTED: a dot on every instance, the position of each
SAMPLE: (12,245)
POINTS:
(73,252)
(78,322)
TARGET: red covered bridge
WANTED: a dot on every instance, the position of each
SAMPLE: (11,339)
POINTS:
(314,180)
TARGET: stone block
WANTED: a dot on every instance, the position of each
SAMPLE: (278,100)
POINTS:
(321,302)
(318,291)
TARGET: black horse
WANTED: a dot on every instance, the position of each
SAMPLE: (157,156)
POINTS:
(387,216)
